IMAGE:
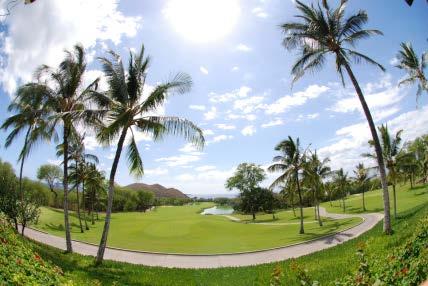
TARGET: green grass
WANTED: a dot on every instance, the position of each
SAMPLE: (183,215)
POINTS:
(325,266)
(283,216)
(406,199)
(183,230)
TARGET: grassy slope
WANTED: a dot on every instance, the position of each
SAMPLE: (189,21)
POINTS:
(184,230)
(324,266)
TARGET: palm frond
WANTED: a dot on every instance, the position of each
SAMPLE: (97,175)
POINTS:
(135,162)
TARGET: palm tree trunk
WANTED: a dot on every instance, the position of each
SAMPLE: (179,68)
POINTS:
(302,230)
(343,204)
(84,205)
(364,202)
(319,217)
(78,209)
(24,149)
(65,185)
(103,242)
(395,200)
(315,204)
(387,215)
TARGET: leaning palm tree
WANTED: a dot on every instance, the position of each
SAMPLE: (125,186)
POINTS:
(391,154)
(415,68)
(29,117)
(322,31)
(68,103)
(130,112)
(362,178)
(290,163)
(315,171)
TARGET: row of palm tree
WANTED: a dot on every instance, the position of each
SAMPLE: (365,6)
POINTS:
(58,102)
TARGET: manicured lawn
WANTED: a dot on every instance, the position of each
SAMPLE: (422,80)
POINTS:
(284,216)
(184,230)
(325,266)
(406,199)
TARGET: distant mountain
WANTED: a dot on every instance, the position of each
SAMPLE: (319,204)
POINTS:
(159,190)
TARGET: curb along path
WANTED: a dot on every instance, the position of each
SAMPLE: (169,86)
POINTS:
(221,260)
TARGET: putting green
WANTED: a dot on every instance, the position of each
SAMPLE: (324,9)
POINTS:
(183,230)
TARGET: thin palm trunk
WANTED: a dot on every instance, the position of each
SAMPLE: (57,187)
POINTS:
(343,204)
(103,242)
(364,202)
(395,200)
(65,185)
(21,192)
(302,230)
(319,216)
(78,208)
(387,216)
(84,205)
(315,203)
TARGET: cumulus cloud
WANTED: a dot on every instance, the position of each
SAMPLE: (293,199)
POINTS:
(296,99)
(211,114)
(203,70)
(243,48)
(259,12)
(275,122)
(235,69)
(38,34)
(197,107)
(179,160)
(220,138)
(242,92)
(249,130)
(225,126)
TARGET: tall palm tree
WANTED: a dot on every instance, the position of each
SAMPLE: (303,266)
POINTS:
(341,181)
(315,171)
(68,103)
(391,154)
(362,178)
(290,163)
(95,185)
(29,117)
(322,31)
(415,68)
(130,112)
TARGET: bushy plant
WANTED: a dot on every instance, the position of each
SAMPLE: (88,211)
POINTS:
(20,265)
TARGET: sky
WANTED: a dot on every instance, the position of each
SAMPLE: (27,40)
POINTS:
(242,96)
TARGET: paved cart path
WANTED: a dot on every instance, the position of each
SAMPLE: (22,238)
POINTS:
(221,260)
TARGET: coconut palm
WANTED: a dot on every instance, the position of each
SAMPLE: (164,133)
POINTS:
(130,112)
(340,179)
(95,186)
(391,154)
(68,102)
(322,31)
(290,163)
(362,178)
(30,118)
(410,62)
(315,171)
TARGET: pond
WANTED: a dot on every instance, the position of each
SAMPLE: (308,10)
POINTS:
(217,211)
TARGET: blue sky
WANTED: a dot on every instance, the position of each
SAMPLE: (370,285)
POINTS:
(242,94)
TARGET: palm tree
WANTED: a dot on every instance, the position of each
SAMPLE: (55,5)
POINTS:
(341,182)
(315,171)
(95,185)
(409,61)
(322,31)
(68,103)
(390,152)
(130,112)
(29,116)
(290,163)
(362,179)
(289,191)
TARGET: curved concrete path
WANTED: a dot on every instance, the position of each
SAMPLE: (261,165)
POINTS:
(222,260)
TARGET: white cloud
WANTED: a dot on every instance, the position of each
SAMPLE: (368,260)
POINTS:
(188,148)
(249,104)
(351,141)
(276,122)
(243,48)
(208,132)
(205,168)
(249,130)
(242,92)
(259,12)
(185,178)
(394,61)
(235,69)
(156,172)
(249,117)
(197,107)
(57,162)
(310,116)
(211,114)
(180,160)
(220,138)
(91,142)
(203,70)
(225,126)
(40,33)
(297,99)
